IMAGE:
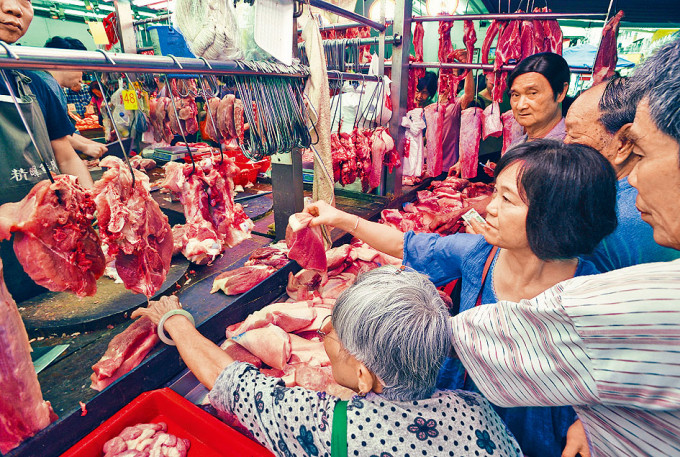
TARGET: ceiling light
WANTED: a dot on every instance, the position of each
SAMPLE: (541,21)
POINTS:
(437,7)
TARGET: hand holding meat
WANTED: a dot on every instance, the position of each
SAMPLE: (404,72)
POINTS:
(325,214)
(157,309)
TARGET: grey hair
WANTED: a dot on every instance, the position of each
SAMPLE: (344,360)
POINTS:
(396,324)
(615,109)
(658,80)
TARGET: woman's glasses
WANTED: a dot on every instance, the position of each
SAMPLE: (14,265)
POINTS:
(319,331)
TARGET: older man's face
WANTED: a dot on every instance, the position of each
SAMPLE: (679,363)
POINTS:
(583,123)
(15,17)
(656,177)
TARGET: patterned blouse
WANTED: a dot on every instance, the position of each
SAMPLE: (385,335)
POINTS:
(297,422)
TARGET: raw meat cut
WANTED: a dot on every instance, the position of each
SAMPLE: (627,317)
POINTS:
(508,49)
(541,42)
(416,73)
(211,124)
(240,354)
(527,36)
(269,343)
(213,220)
(413,148)
(470,136)
(241,279)
(344,158)
(135,232)
(54,240)
(274,255)
(291,317)
(239,122)
(307,351)
(381,145)
(305,243)
(142,164)
(225,116)
(446,75)
(125,351)
(146,440)
(607,54)
(22,408)
(362,148)
(495,29)
(512,131)
(433,147)
(492,121)
(304,284)
(553,34)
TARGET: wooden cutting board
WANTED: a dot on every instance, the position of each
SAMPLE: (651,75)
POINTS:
(61,312)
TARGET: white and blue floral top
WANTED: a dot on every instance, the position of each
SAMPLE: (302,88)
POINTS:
(297,422)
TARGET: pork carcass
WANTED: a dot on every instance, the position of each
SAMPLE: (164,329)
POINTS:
(239,280)
(305,243)
(132,226)
(54,240)
(470,136)
(213,220)
(607,54)
(23,411)
(125,351)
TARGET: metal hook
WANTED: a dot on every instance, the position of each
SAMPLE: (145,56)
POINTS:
(108,58)
(105,102)
(179,123)
(174,59)
(9,51)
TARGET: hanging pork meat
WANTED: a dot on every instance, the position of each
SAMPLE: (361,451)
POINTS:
(607,54)
(53,236)
(470,136)
(553,34)
(415,73)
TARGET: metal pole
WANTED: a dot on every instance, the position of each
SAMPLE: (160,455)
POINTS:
(347,14)
(403,11)
(479,66)
(163,17)
(349,25)
(30,58)
(508,17)
(333,74)
(126,29)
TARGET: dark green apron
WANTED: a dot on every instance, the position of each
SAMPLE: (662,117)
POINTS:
(22,168)
(339,432)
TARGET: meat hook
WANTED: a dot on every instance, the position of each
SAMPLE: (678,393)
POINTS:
(212,119)
(179,123)
(105,102)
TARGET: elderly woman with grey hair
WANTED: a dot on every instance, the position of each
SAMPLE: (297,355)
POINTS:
(386,340)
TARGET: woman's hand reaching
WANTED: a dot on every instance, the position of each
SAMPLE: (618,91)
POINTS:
(325,214)
(157,309)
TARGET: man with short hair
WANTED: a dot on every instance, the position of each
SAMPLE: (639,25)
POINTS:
(605,344)
(600,118)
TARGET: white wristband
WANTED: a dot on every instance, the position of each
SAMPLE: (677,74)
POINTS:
(161,331)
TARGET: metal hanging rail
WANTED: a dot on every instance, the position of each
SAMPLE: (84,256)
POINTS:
(479,66)
(348,14)
(348,25)
(508,17)
(334,74)
(30,58)
(161,18)
(396,40)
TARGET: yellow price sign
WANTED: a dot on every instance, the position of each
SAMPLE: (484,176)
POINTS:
(130,100)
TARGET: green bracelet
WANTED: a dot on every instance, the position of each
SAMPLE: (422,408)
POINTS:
(161,331)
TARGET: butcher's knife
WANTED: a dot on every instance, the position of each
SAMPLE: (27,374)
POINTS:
(43,356)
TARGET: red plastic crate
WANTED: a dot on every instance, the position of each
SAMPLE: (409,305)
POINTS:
(209,436)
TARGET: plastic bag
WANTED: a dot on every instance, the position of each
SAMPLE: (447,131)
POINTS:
(348,108)
(209,27)
(375,104)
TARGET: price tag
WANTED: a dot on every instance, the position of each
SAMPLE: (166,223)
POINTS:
(130,100)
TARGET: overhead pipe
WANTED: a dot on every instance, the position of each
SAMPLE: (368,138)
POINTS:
(161,18)
(348,14)
(479,66)
(507,17)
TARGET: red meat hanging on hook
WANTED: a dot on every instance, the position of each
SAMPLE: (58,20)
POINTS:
(111,28)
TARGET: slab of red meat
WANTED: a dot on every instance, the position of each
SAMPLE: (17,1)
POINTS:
(22,408)
(541,42)
(239,122)
(241,279)
(269,343)
(211,124)
(311,352)
(362,148)
(126,350)
(553,35)
(527,37)
(511,130)
(230,220)
(305,243)
(225,116)
(509,48)
(382,144)
(344,158)
(607,54)
(273,256)
(54,240)
(492,121)
(416,73)
(162,130)
(433,147)
(133,228)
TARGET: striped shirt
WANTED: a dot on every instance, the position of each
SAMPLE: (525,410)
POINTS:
(607,344)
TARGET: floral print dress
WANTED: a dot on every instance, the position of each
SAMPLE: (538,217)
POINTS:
(294,422)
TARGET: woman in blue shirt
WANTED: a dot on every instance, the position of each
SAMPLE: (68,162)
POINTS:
(552,203)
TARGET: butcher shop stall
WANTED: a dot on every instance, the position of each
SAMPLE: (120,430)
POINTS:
(216,125)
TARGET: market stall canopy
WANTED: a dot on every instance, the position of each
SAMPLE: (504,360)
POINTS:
(656,12)
(583,56)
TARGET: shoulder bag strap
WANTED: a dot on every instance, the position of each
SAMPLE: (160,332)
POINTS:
(485,273)
(339,433)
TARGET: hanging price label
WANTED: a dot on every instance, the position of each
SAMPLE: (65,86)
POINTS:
(130,100)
